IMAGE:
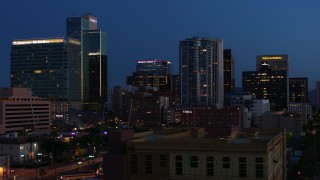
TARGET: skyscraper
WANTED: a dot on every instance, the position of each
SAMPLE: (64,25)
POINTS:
(275,62)
(152,73)
(76,25)
(267,84)
(228,70)
(94,86)
(95,90)
(154,67)
(298,89)
(51,67)
(201,72)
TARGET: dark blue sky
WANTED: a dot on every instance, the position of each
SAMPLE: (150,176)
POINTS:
(143,29)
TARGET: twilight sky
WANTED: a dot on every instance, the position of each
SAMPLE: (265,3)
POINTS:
(151,29)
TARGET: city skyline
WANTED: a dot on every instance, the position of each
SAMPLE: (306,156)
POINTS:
(152,30)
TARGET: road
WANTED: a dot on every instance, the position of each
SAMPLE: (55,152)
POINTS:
(52,172)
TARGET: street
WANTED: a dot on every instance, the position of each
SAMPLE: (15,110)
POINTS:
(53,172)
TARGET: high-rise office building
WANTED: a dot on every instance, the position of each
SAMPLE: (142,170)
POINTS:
(228,70)
(154,67)
(94,70)
(176,96)
(76,25)
(298,89)
(201,72)
(275,62)
(94,84)
(51,67)
(152,73)
(267,84)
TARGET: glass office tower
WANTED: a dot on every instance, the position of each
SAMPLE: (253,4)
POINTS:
(201,72)
(93,60)
(51,67)
(228,70)
(95,84)
(76,25)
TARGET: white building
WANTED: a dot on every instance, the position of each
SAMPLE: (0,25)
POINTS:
(20,149)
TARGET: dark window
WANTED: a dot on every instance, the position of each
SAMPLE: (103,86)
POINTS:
(210,166)
(163,160)
(134,164)
(242,167)
(194,161)
(148,164)
(259,167)
(178,165)
(226,162)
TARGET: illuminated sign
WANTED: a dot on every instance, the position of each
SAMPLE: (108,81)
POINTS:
(152,61)
(93,20)
(271,57)
(142,62)
(187,111)
(94,54)
(74,41)
(37,41)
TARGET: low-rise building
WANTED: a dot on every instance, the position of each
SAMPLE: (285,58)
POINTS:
(191,154)
(20,149)
(291,121)
(208,116)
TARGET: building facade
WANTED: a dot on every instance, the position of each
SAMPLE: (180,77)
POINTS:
(21,112)
(254,154)
(267,84)
(201,72)
(51,67)
(155,67)
(212,116)
(291,121)
(45,65)
(20,149)
(94,85)
(298,90)
(228,70)
(152,73)
(275,62)
(94,70)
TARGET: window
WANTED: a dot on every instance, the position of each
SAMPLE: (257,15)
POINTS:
(194,161)
(134,164)
(148,164)
(163,160)
(210,166)
(259,167)
(242,167)
(226,162)
(178,165)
